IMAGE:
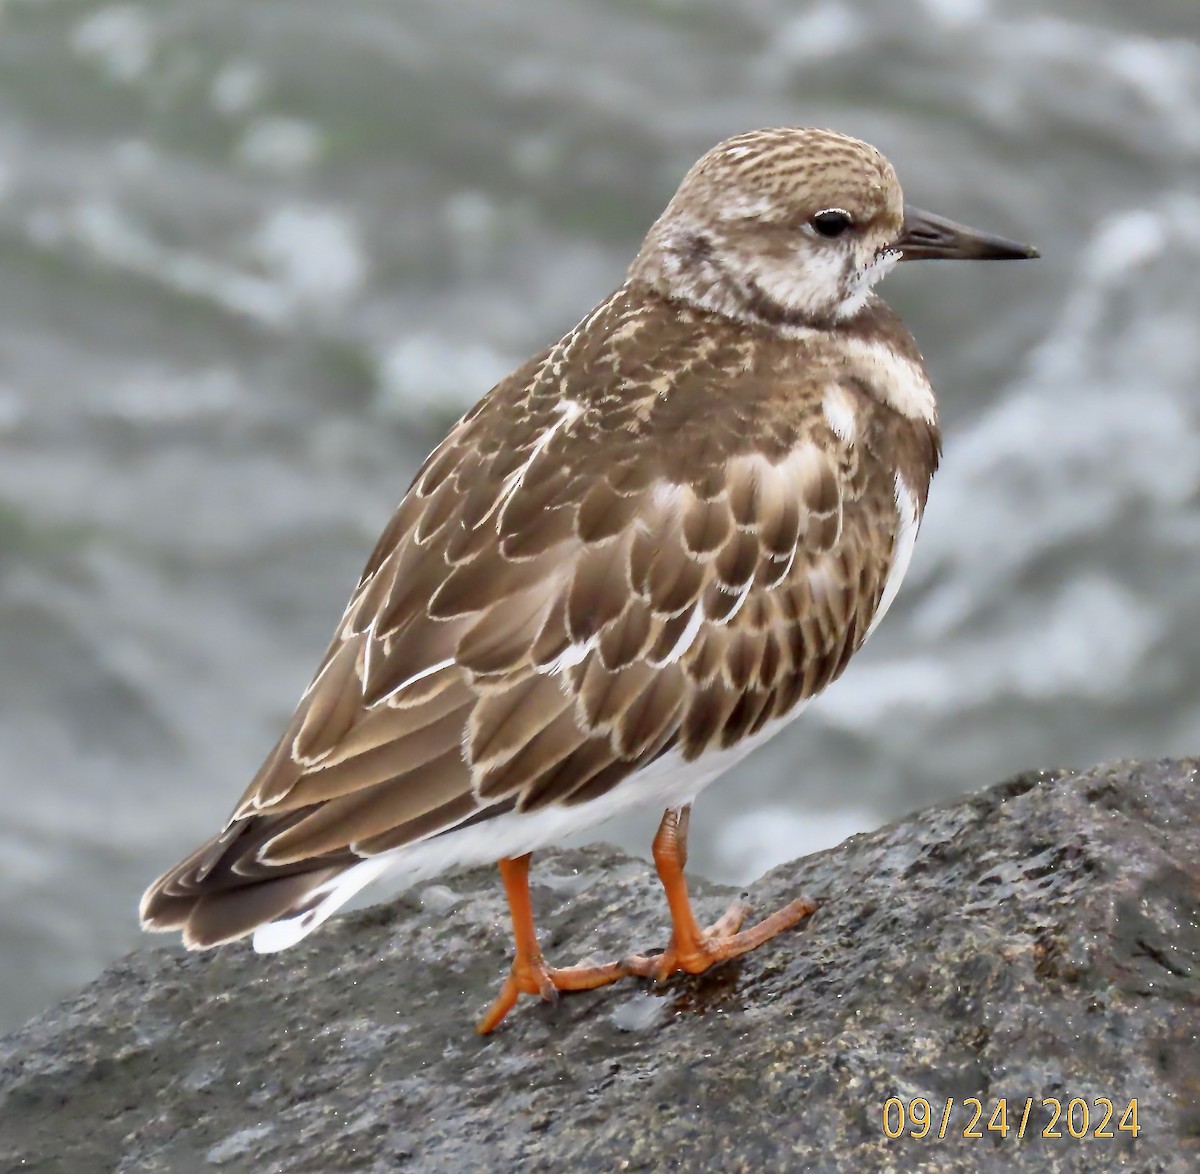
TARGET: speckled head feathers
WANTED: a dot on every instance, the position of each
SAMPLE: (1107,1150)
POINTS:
(785,226)
(786,175)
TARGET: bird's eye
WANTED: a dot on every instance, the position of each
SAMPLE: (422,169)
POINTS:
(831,222)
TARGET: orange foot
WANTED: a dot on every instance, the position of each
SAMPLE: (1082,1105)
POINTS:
(692,949)
(530,975)
(534,977)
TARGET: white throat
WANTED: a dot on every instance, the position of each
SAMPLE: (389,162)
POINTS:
(864,283)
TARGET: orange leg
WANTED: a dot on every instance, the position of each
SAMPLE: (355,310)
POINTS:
(691,948)
(530,975)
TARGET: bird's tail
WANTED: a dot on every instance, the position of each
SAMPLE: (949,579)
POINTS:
(221,892)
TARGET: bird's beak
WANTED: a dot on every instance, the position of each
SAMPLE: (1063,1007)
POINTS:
(926,237)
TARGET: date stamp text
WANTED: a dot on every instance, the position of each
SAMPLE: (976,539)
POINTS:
(1048,1117)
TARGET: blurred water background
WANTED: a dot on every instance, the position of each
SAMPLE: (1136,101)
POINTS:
(255,255)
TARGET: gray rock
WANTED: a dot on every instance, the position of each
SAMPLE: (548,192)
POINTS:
(1040,939)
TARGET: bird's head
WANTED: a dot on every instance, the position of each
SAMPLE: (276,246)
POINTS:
(794,226)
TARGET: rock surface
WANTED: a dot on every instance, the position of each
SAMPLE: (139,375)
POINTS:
(1040,939)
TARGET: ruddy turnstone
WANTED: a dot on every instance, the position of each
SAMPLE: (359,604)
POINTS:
(634,560)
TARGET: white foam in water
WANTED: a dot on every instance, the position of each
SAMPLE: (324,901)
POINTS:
(957,13)
(111,235)
(237,88)
(314,252)
(285,145)
(428,369)
(119,39)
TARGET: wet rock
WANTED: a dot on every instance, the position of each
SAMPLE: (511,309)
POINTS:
(1038,940)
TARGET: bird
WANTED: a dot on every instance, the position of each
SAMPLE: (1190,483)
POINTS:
(634,560)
